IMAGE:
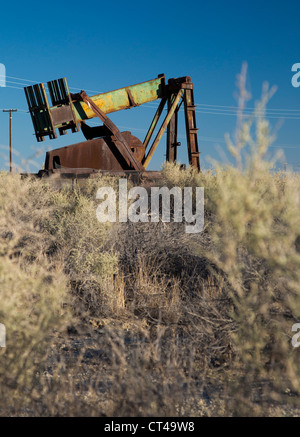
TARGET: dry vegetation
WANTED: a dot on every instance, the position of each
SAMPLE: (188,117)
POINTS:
(144,319)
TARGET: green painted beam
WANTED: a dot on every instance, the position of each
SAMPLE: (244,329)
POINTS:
(123,98)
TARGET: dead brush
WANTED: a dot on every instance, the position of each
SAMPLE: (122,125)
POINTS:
(142,320)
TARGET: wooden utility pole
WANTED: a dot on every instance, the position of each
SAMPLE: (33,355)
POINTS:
(10,135)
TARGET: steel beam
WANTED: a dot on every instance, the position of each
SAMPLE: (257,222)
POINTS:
(171,152)
(123,98)
(161,131)
(154,122)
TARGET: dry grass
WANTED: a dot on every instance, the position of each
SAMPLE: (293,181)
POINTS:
(144,319)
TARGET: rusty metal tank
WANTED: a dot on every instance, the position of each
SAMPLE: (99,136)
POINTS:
(94,154)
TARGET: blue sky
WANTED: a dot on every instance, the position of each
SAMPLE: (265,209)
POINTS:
(102,46)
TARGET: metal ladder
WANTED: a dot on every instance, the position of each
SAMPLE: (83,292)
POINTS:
(191,128)
(190,121)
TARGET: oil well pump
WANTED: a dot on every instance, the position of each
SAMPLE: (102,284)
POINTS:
(107,149)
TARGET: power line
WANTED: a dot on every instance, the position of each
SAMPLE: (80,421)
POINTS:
(17,88)
(21,110)
(213,111)
(204,106)
(36,81)
(248,111)
(236,107)
(254,115)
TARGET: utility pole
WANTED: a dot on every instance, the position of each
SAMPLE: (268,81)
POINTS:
(10,135)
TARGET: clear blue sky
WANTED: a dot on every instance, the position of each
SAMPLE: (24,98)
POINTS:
(102,46)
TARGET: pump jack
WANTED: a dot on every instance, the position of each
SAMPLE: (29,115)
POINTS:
(107,149)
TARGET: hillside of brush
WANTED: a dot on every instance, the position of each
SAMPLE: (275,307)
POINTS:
(143,319)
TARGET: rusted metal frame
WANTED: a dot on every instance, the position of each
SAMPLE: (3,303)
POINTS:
(40,111)
(179,83)
(58,92)
(28,98)
(154,121)
(171,152)
(30,106)
(131,99)
(118,138)
(63,90)
(53,92)
(76,124)
(39,116)
(191,128)
(162,129)
(123,98)
(47,114)
(62,111)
